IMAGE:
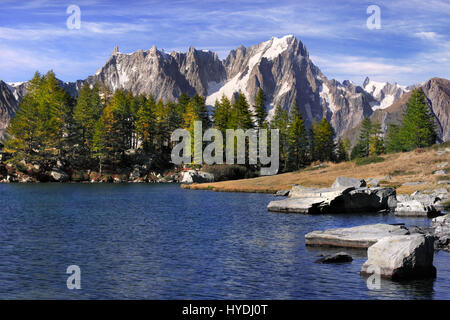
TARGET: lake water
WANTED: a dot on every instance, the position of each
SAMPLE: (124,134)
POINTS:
(163,242)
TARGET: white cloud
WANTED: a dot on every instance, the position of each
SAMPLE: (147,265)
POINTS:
(427,35)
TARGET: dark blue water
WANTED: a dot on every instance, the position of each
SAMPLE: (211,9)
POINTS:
(164,242)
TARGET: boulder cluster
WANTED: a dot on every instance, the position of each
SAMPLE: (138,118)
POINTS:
(395,251)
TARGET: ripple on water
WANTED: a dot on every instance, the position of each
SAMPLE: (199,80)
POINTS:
(164,242)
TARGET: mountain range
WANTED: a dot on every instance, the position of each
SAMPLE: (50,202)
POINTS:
(280,66)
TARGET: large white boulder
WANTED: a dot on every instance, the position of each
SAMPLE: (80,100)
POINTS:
(401,257)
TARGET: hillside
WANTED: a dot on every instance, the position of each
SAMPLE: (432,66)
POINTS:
(414,166)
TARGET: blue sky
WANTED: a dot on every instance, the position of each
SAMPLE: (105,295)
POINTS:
(412,45)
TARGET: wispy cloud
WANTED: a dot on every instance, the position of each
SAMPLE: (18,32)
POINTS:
(411,44)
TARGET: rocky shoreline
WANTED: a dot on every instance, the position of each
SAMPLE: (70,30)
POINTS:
(348,195)
(57,171)
(395,252)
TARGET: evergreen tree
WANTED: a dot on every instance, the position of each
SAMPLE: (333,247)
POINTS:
(241,117)
(297,140)
(376,139)
(324,145)
(418,125)
(393,141)
(417,129)
(222,114)
(342,151)
(364,137)
(280,121)
(145,124)
(87,111)
(260,108)
(23,138)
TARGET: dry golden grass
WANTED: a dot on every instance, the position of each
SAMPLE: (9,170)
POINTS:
(417,165)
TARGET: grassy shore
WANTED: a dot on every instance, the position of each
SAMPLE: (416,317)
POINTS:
(414,166)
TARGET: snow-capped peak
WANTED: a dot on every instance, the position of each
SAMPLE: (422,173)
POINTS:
(384,93)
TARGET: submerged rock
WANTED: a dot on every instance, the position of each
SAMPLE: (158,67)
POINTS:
(401,257)
(354,237)
(340,257)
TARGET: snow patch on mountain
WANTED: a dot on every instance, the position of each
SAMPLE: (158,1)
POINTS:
(384,93)
(326,98)
(269,50)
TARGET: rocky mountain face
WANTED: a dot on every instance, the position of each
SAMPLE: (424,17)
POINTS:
(279,66)
(384,93)
(8,104)
(437,91)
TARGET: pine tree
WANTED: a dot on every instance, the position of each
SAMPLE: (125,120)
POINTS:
(260,108)
(364,137)
(297,140)
(280,121)
(23,139)
(376,139)
(417,128)
(342,151)
(145,124)
(48,110)
(241,117)
(393,141)
(222,114)
(87,111)
(324,145)
(418,125)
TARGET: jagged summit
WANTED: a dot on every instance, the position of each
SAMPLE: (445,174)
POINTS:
(280,66)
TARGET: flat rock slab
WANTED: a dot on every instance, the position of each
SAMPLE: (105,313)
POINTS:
(355,237)
(296,205)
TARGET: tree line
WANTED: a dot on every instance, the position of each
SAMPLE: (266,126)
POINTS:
(417,129)
(118,129)
(102,128)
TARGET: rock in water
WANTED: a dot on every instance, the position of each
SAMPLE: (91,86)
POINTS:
(344,182)
(339,257)
(282,193)
(355,237)
(401,257)
(335,200)
(441,226)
